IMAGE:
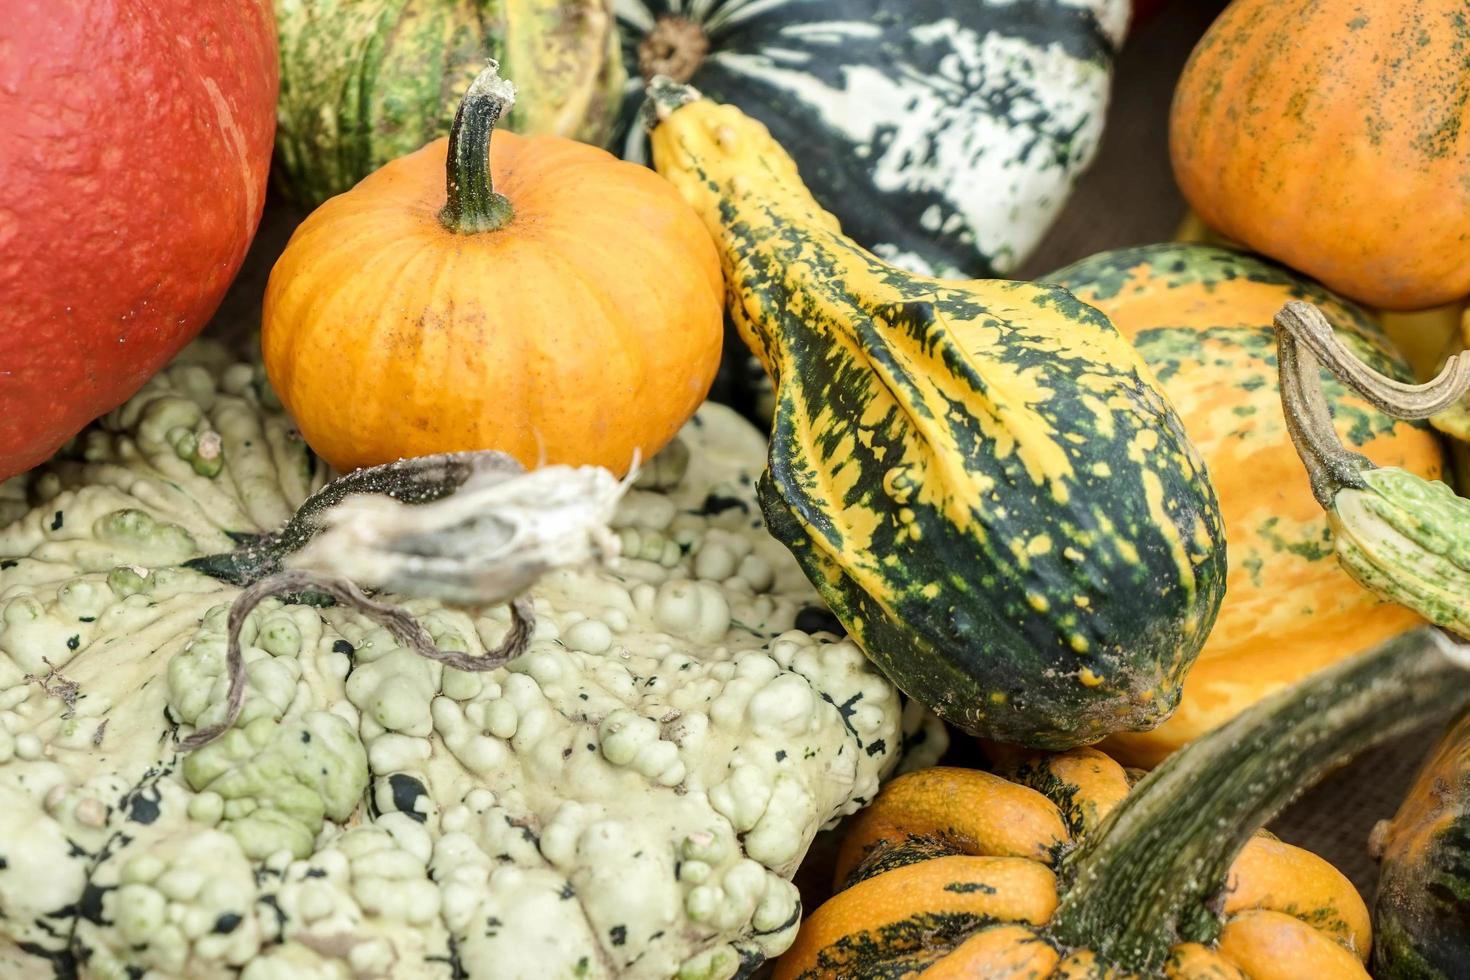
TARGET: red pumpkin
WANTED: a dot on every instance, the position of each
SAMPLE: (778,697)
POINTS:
(136,144)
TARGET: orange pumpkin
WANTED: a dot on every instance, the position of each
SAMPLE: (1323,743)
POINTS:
(1334,135)
(1054,866)
(554,303)
(1201,317)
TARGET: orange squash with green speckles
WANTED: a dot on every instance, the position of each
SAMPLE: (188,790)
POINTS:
(1201,318)
(1334,135)
(1054,866)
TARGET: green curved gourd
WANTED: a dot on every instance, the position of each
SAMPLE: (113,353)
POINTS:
(1402,537)
(1421,914)
(366,81)
(981,478)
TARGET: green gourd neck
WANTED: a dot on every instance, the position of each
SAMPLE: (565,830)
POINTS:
(472,205)
(1151,876)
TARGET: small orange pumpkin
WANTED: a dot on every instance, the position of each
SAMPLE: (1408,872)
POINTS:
(561,305)
(1333,135)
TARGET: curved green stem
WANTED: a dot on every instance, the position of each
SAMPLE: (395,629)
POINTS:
(1330,465)
(472,205)
(1152,874)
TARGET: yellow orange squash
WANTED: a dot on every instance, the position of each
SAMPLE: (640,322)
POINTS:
(1334,135)
(533,295)
(1201,318)
(1054,866)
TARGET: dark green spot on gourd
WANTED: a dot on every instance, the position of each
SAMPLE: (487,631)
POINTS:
(227,923)
(969,887)
(716,503)
(406,792)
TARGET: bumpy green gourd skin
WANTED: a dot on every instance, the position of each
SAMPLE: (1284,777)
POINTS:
(1421,916)
(366,81)
(981,478)
(1408,540)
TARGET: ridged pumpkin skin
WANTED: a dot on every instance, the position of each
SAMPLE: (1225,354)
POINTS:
(1422,909)
(135,143)
(1334,136)
(1201,317)
(588,327)
(367,81)
(980,477)
(953,871)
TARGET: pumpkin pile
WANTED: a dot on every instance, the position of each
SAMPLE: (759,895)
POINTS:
(450,627)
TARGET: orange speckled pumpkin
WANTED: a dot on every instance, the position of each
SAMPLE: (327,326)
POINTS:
(1334,136)
(1055,867)
(1201,318)
(554,303)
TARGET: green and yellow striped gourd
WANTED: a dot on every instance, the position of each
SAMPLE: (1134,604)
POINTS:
(980,477)
(367,81)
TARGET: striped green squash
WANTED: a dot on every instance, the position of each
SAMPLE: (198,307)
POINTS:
(944,134)
(1421,914)
(366,81)
(981,478)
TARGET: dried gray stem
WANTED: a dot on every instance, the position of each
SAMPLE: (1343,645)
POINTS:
(491,539)
(1330,465)
(477,528)
(396,620)
(1405,401)
(63,690)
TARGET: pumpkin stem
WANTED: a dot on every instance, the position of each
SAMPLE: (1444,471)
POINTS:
(472,205)
(1312,330)
(1330,465)
(675,48)
(398,621)
(1152,874)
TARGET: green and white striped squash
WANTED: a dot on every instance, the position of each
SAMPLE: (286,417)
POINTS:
(945,135)
(982,479)
(366,81)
